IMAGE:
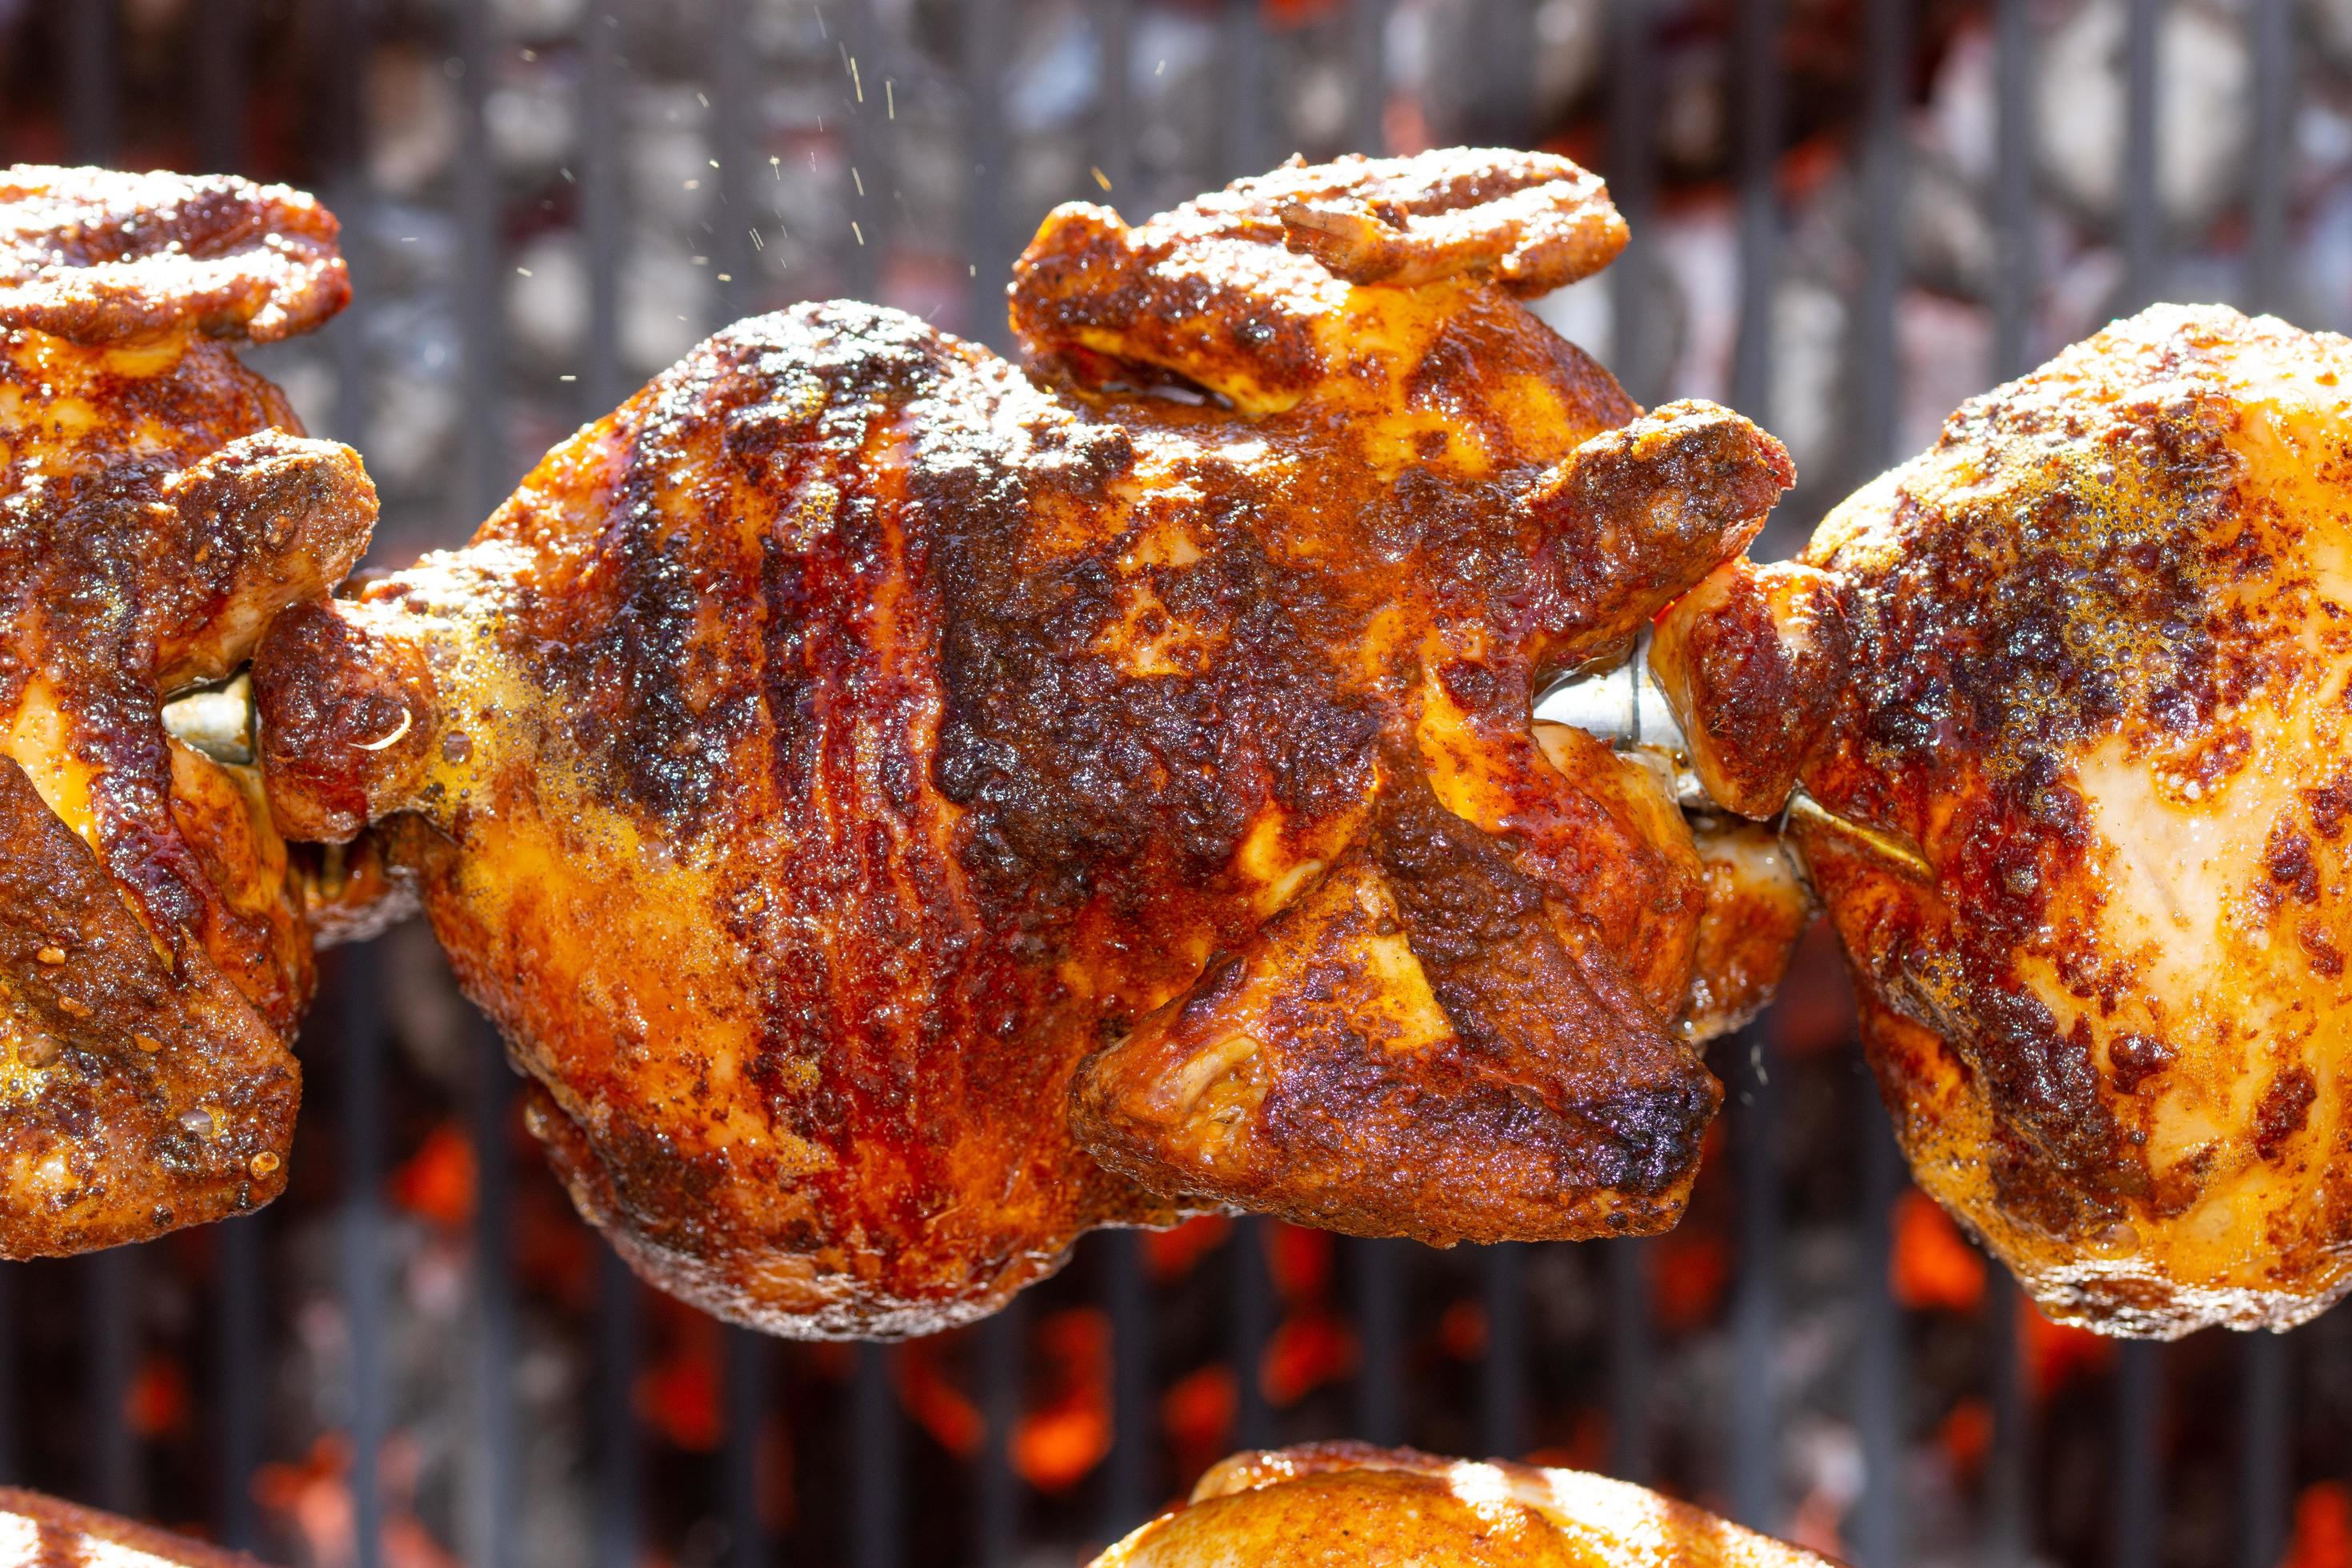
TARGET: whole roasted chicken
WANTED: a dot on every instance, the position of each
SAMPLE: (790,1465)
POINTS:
(157,505)
(904,810)
(1351,1505)
(2066,697)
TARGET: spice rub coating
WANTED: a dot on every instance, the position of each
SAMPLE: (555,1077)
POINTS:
(2081,817)
(825,768)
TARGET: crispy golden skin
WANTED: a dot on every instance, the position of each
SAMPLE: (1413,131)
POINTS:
(1351,1505)
(156,507)
(814,762)
(2081,818)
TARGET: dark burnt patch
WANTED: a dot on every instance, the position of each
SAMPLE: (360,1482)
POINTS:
(1543,1027)
(2287,859)
(2330,804)
(2286,1106)
(2133,1059)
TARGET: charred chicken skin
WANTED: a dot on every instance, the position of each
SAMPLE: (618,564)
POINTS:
(905,810)
(157,505)
(2076,796)
(1351,1505)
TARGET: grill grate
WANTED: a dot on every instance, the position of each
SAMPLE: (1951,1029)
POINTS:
(778,1405)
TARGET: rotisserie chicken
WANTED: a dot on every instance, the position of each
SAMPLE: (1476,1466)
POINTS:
(903,810)
(37,1531)
(1351,1505)
(158,504)
(2067,699)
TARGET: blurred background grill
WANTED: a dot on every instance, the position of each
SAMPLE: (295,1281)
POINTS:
(1848,216)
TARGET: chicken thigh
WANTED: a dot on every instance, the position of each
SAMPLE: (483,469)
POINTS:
(157,505)
(2070,695)
(903,811)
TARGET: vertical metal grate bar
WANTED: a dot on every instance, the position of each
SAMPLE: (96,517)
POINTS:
(1632,1358)
(2013,276)
(222,36)
(744,1375)
(2008,1493)
(617,1505)
(240,1253)
(1244,43)
(1507,108)
(1127,1494)
(1878,385)
(481,288)
(499,1483)
(1380,1333)
(999,1404)
(2139,1524)
(1502,1403)
(92,112)
(1755,1487)
(734,107)
(876,1540)
(2269,285)
(11,1456)
(1879,1368)
(601,87)
(1367,22)
(869,193)
(2265,1416)
(358,1031)
(985,25)
(2143,204)
(1253,1326)
(1115,118)
(113,1354)
(1756,46)
(1632,176)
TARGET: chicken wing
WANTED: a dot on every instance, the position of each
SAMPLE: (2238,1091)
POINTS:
(854,748)
(157,505)
(2079,810)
